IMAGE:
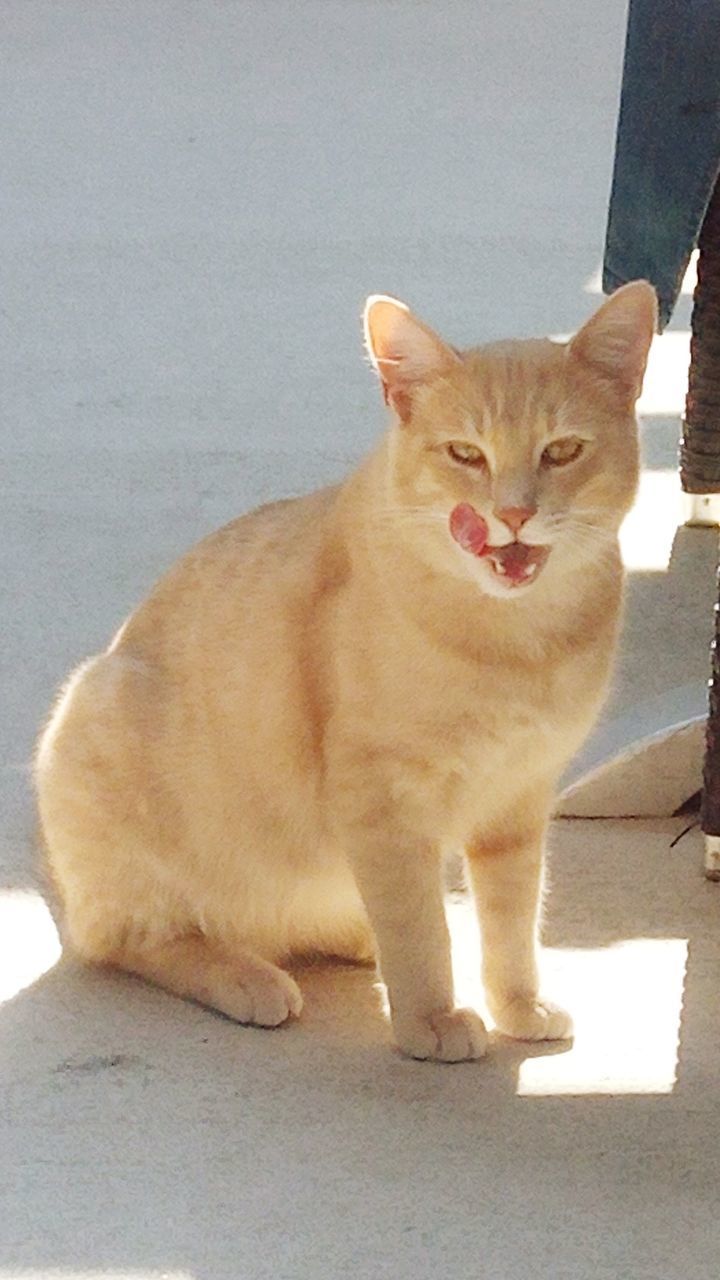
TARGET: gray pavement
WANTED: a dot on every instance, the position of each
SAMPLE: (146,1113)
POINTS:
(196,200)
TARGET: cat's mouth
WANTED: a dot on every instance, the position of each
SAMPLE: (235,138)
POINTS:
(516,563)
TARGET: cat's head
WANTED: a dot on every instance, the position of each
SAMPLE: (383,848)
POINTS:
(509,458)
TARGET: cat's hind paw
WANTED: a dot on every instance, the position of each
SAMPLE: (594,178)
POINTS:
(534,1020)
(446,1035)
(258,994)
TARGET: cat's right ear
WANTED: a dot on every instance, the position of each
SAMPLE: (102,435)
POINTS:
(404,352)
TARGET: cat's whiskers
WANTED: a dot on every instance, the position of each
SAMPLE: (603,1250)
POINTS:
(582,526)
(579,522)
(409,515)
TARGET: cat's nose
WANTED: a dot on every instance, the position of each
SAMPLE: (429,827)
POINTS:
(515,517)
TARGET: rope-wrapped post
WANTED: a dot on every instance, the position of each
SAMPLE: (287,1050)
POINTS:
(700,445)
(700,473)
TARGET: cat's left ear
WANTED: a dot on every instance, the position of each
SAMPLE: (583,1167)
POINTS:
(404,351)
(615,341)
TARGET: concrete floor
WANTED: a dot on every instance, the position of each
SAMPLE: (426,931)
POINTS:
(200,197)
(145,1138)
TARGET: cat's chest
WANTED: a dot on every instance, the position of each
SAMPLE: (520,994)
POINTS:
(510,703)
(502,729)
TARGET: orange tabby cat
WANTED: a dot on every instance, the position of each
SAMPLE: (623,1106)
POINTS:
(318,699)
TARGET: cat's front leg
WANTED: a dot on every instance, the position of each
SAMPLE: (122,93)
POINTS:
(506,872)
(401,886)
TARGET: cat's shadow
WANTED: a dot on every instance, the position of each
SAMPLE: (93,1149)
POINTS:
(78,1027)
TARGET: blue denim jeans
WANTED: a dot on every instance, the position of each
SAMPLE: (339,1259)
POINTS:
(667,152)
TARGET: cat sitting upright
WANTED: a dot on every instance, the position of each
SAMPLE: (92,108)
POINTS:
(272,754)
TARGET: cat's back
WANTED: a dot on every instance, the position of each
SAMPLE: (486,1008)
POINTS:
(224,652)
(269,559)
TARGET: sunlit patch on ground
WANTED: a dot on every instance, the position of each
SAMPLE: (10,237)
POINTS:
(647,534)
(626,1002)
(29,942)
(665,384)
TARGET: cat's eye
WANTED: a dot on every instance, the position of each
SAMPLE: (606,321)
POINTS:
(559,452)
(468,454)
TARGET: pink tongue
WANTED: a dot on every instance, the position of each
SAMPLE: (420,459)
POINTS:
(468,528)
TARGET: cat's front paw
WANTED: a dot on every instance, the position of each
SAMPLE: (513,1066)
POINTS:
(533,1020)
(446,1035)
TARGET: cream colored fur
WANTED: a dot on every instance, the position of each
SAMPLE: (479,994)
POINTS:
(320,698)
